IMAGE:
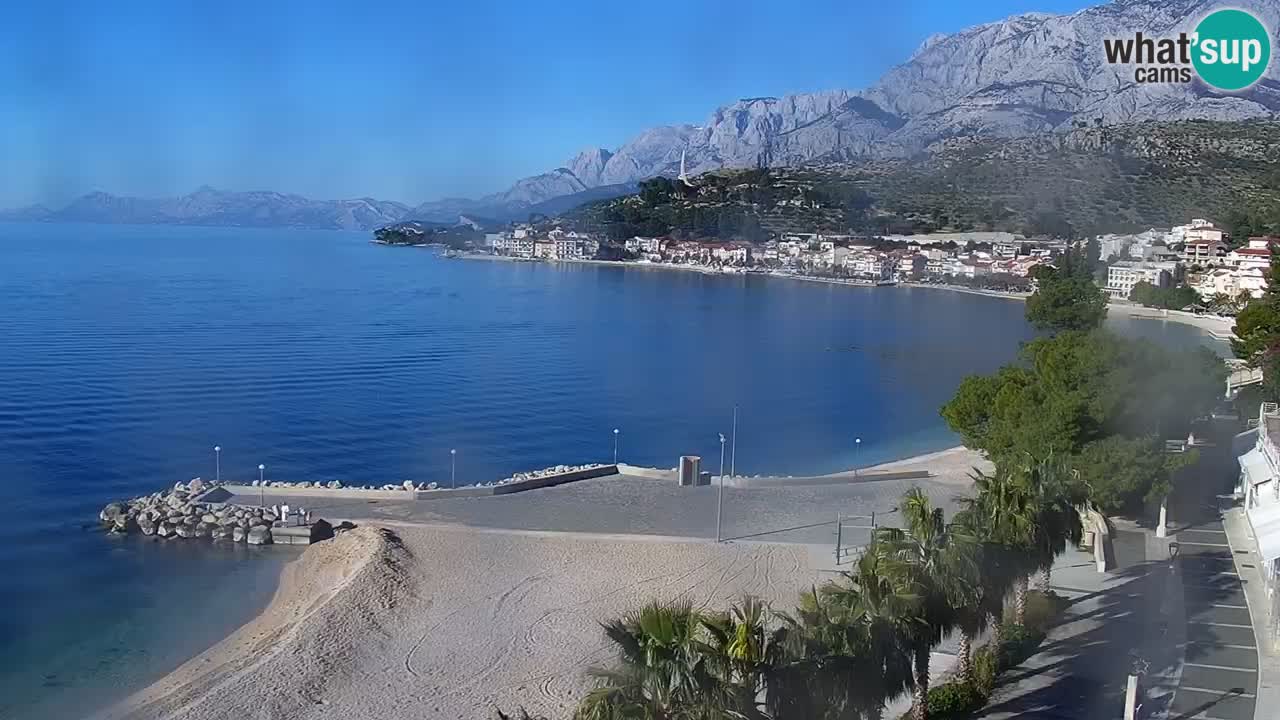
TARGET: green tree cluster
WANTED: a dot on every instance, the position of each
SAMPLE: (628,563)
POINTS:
(1106,402)
(1170,298)
(1257,332)
(856,643)
(1067,297)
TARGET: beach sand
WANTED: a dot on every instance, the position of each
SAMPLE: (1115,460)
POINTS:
(453,622)
(412,617)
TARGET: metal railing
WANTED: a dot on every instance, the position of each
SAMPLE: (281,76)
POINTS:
(849,553)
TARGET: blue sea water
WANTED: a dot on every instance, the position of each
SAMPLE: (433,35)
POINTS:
(127,353)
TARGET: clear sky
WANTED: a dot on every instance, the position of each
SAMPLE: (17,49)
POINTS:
(404,101)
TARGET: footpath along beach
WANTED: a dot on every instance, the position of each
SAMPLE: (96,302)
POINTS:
(452,608)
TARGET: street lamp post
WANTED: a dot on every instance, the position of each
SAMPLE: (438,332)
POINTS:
(262,484)
(857,454)
(733,446)
(217,463)
(453,467)
(615,446)
(720,490)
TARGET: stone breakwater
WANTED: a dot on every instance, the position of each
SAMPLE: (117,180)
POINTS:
(177,513)
(410,486)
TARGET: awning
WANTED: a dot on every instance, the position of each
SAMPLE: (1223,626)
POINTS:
(1254,465)
(1265,520)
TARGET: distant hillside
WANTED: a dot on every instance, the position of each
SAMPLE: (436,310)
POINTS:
(1088,180)
(207,206)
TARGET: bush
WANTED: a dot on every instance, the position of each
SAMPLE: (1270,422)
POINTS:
(955,700)
(1042,608)
(1017,643)
(984,670)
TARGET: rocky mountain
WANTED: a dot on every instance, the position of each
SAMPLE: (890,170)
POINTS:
(1027,74)
(207,206)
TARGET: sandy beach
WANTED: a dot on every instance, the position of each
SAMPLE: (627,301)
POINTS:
(437,613)
(452,623)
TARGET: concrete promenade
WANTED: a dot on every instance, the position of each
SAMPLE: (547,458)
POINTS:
(632,504)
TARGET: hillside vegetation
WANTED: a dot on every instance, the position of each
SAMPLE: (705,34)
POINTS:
(1089,180)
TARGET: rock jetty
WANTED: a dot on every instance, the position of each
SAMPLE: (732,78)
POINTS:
(411,486)
(177,513)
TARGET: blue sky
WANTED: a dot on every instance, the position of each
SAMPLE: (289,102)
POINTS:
(404,101)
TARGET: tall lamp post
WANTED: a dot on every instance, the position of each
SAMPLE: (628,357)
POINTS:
(720,490)
(733,446)
(453,467)
(262,484)
(217,463)
(615,446)
(857,454)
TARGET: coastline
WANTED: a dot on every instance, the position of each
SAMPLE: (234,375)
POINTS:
(1219,328)
(390,604)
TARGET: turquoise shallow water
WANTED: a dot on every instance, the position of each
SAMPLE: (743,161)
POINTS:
(126,353)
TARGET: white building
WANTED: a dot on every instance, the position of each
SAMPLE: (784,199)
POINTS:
(644,245)
(521,246)
(1254,255)
(1260,486)
(1123,275)
(1204,242)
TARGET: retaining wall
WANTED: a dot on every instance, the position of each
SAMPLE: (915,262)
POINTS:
(222,493)
(846,479)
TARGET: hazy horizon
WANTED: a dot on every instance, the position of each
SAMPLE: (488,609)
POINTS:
(156,100)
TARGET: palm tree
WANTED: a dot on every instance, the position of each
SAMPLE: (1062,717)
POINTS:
(663,671)
(996,571)
(1029,511)
(1054,495)
(741,649)
(1003,510)
(941,564)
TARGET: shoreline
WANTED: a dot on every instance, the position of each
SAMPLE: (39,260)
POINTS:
(347,594)
(1220,328)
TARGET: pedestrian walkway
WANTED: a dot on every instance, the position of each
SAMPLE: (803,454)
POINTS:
(1244,552)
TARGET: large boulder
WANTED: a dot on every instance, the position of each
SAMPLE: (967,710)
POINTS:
(259,535)
(147,525)
(185,531)
(238,533)
(164,530)
(111,512)
(204,529)
(321,530)
(195,486)
(209,518)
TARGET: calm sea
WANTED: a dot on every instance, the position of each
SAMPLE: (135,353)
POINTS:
(127,353)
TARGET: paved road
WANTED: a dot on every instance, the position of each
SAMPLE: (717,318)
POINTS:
(1220,668)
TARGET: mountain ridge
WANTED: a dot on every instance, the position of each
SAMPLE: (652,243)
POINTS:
(1025,75)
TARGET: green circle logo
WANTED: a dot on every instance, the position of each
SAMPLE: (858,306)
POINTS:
(1231,50)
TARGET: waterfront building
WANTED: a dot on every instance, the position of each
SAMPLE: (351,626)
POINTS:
(1123,275)
(1260,486)
(568,249)
(521,246)
(644,245)
(544,249)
